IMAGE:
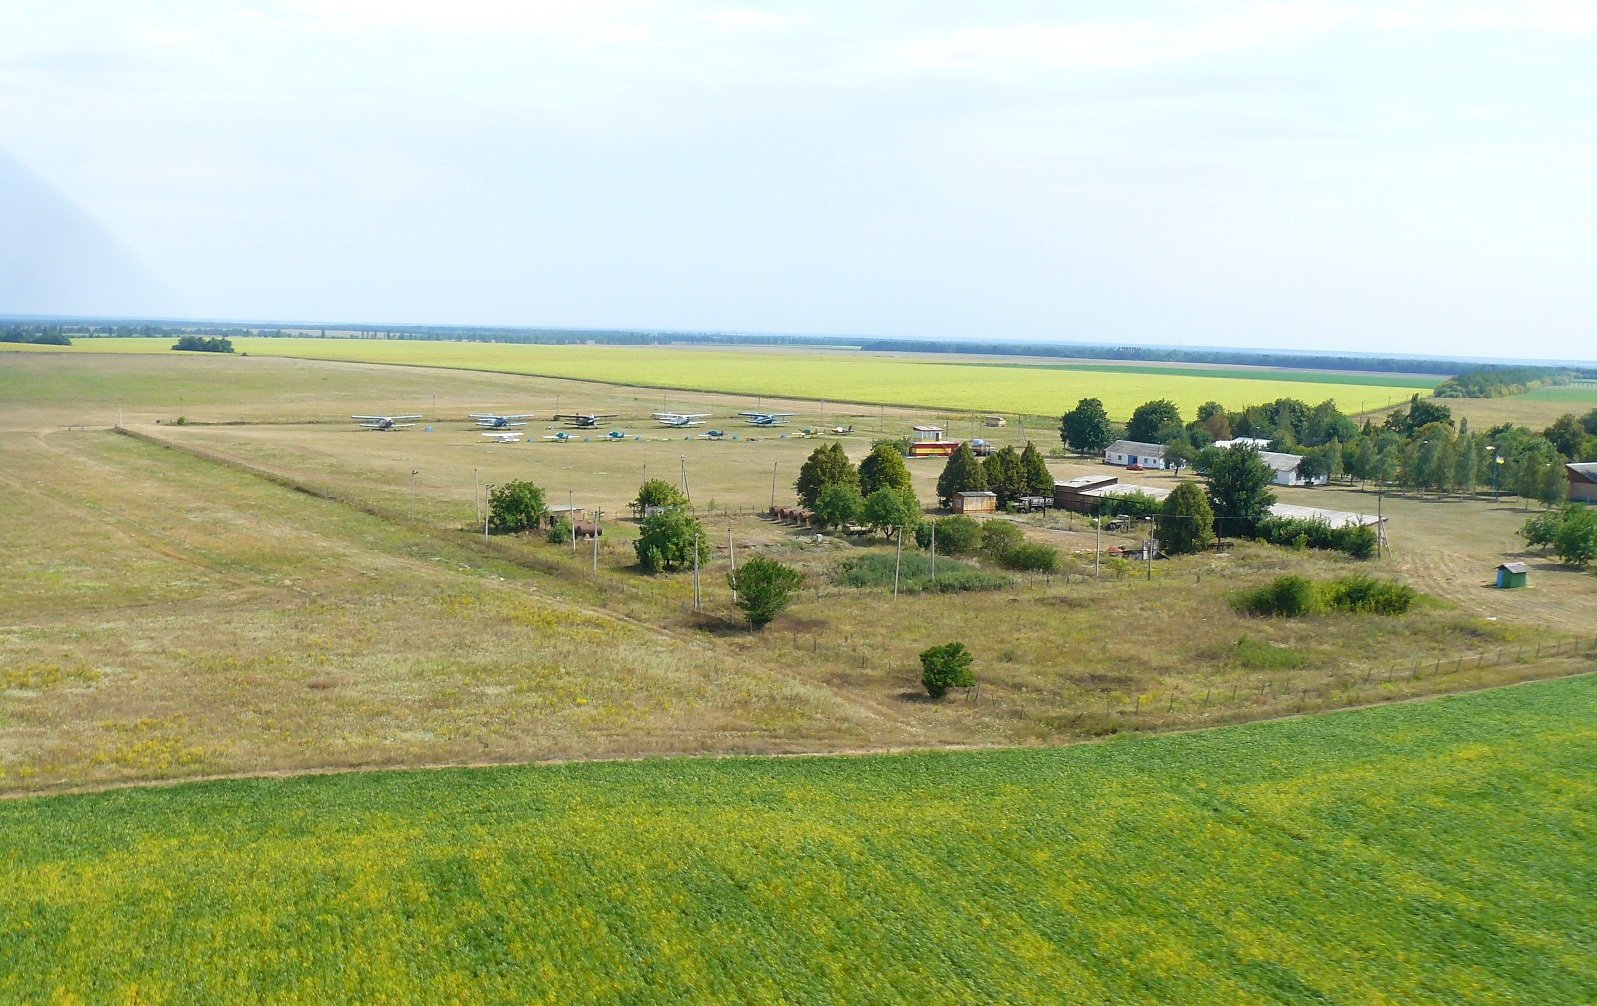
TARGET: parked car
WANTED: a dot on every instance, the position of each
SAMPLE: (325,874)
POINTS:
(1134,467)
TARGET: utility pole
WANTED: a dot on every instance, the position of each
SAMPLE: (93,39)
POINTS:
(898,560)
(934,551)
(1380,525)
(571,518)
(476,492)
(732,557)
(598,515)
(413,494)
(487,489)
(773,485)
(695,572)
(1097,545)
(688,495)
(1152,543)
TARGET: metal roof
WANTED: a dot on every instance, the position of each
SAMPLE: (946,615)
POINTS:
(1281,462)
(1587,470)
(1136,447)
(976,492)
(1514,567)
(1331,518)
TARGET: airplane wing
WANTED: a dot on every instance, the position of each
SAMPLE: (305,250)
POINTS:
(404,417)
(370,419)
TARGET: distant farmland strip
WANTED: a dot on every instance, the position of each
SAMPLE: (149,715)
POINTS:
(837,377)
(1429,853)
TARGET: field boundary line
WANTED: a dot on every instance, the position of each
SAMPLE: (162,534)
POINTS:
(864,752)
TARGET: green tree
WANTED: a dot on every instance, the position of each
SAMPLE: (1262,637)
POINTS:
(515,506)
(1031,557)
(962,473)
(1239,488)
(1576,540)
(999,536)
(1417,416)
(839,504)
(764,588)
(1568,436)
(1466,455)
(1536,472)
(665,541)
(1039,481)
(944,667)
(559,532)
(883,466)
(1086,428)
(1542,529)
(1364,461)
(1186,522)
(1005,475)
(827,465)
(955,535)
(888,508)
(1178,454)
(660,493)
(1154,422)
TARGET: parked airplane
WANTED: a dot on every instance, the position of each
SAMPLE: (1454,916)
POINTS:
(712,434)
(561,437)
(681,418)
(585,420)
(384,423)
(842,431)
(506,437)
(493,422)
(767,418)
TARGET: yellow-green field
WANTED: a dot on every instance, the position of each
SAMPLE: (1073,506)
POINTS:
(1431,853)
(1043,390)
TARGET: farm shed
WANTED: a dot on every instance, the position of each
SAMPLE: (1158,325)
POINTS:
(1330,518)
(1582,478)
(1512,574)
(976,501)
(1132,452)
(1069,495)
(572,513)
(928,442)
(1253,442)
(1285,467)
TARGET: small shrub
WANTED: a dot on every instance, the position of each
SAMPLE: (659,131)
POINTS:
(944,667)
(1031,557)
(764,587)
(955,535)
(560,532)
(999,536)
(1296,596)
(1367,595)
(1283,597)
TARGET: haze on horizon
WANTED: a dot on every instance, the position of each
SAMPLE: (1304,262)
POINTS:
(1409,176)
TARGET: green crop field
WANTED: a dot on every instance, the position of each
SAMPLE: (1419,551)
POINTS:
(1428,853)
(842,377)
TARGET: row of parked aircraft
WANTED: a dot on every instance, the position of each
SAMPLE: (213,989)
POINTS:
(504,424)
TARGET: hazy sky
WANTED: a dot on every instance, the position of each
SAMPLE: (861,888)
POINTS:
(1395,176)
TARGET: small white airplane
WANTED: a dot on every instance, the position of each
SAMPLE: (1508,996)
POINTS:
(843,431)
(585,420)
(493,422)
(506,437)
(561,437)
(712,434)
(767,418)
(680,419)
(384,423)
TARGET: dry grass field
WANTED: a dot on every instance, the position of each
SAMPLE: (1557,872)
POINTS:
(172,610)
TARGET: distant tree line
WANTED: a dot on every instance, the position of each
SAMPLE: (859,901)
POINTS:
(37,335)
(1499,382)
(203,344)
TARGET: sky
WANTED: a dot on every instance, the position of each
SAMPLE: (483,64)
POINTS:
(1402,176)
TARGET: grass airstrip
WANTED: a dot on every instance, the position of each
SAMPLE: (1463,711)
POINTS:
(1430,853)
(1041,390)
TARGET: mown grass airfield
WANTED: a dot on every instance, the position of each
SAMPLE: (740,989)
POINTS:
(213,572)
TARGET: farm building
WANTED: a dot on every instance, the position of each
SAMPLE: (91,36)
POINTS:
(1286,469)
(1582,478)
(1513,574)
(1330,518)
(1069,495)
(554,514)
(928,442)
(1130,452)
(1253,442)
(995,421)
(975,501)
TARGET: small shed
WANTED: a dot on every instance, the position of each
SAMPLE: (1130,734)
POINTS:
(1512,574)
(572,513)
(976,501)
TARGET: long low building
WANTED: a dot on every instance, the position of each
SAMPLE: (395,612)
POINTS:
(1582,478)
(1087,493)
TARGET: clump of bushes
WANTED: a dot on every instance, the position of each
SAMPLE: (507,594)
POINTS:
(944,667)
(1296,596)
(955,535)
(1359,542)
(1006,544)
(915,574)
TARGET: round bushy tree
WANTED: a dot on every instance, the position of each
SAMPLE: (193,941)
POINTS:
(665,541)
(888,508)
(839,504)
(1154,422)
(1239,487)
(764,587)
(660,493)
(883,466)
(1186,521)
(955,535)
(1086,428)
(827,465)
(516,506)
(944,667)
